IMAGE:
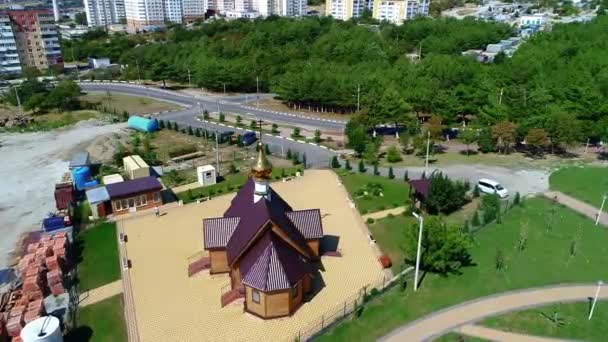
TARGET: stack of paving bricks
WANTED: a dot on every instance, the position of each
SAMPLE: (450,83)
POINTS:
(15,321)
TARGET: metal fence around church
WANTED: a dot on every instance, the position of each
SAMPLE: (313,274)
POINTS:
(352,305)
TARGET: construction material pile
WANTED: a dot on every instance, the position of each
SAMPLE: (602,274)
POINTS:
(41,269)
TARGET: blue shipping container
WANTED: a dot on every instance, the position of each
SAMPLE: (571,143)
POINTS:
(142,124)
(80,176)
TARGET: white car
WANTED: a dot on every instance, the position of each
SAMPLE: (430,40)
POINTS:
(492,187)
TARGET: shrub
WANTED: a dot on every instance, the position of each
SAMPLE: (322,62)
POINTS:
(206,115)
(347,165)
(490,205)
(296,133)
(317,137)
(335,164)
(175,126)
(376,172)
(239,120)
(370,220)
(222,117)
(190,131)
(161,124)
(266,149)
(445,196)
(390,215)
(476,191)
(274,129)
(289,155)
(361,166)
(406,177)
(233,168)
(197,133)
(253,124)
(516,199)
(391,175)
(393,155)
(296,158)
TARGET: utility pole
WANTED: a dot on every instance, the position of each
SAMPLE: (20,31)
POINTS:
(257,92)
(189,79)
(18,101)
(597,293)
(217,152)
(420,219)
(599,213)
(428,145)
(358,97)
(500,98)
(202,113)
(138,72)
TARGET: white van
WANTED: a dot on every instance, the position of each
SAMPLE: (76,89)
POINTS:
(492,187)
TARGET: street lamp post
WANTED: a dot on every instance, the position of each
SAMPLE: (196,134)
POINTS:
(597,293)
(599,213)
(421,220)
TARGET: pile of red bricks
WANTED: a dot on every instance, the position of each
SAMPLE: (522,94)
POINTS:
(41,269)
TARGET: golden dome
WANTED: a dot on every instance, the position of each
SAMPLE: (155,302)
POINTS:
(262,168)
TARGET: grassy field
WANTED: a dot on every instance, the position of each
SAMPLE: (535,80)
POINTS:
(585,183)
(546,259)
(231,183)
(572,321)
(99,264)
(395,193)
(454,337)
(103,321)
(132,104)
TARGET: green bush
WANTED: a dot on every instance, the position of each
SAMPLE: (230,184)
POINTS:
(393,155)
(370,220)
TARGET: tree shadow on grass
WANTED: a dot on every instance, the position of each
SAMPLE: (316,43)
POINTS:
(82,333)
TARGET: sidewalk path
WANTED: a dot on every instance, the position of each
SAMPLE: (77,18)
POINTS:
(577,205)
(499,335)
(384,213)
(100,293)
(443,321)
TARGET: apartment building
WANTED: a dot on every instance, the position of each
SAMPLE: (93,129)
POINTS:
(9,58)
(173,11)
(104,12)
(397,11)
(142,15)
(347,9)
(36,38)
(193,10)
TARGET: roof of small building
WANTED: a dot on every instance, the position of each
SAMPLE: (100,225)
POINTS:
(206,168)
(421,186)
(113,178)
(272,265)
(138,185)
(97,195)
(218,230)
(79,159)
(308,222)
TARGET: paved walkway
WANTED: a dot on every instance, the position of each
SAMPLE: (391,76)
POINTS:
(499,335)
(443,321)
(384,213)
(98,294)
(577,205)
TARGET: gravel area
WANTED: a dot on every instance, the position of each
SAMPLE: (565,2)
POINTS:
(31,165)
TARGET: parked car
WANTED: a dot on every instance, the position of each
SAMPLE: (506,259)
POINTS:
(489,186)
(248,138)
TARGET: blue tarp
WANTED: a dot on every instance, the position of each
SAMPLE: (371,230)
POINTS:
(53,223)
(142,124)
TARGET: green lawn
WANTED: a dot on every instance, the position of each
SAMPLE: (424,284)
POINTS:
(585,183)
(545,260)
(455,337)
(572,321)
(100,264)
(395,193)
(105,321)
(231,183)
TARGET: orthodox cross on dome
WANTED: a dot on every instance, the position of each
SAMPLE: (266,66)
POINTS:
(262,168)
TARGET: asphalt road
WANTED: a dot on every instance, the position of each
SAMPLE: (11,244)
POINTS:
(233,104)
(316,156)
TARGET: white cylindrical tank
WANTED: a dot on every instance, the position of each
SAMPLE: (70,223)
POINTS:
(43,329)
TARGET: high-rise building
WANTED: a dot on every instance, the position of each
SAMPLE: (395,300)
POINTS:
(173,11)
(144,14)
(104,12)
(194,9)
(347,9)
(9,58)
(36,38)
(397,11)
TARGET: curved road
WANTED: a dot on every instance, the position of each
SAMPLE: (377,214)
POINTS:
(443,321)
(231,104)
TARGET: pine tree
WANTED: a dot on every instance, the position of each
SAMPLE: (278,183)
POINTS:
(406,177)
(169,126)
(266,149)
(376,172)
(476,191)
(296,158)
(517,199)
(197,133)
(347,165)
(304,159)
(335,164)
(391,175)
(190,131)
(175,126)
(161,124)
(289,155)
(361,166)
